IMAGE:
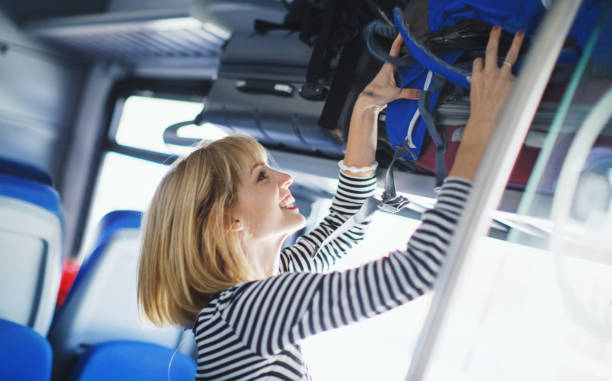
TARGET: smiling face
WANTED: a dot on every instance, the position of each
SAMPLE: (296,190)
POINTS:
(264,214)
(265,210)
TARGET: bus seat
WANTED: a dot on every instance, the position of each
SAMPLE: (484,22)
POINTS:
(133,360)
(31,252)
(102,305)
(24,170)
(24,353)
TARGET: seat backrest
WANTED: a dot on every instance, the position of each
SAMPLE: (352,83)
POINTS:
(30,251)
(102,304)
(24,353)
(24,170)
(132,360)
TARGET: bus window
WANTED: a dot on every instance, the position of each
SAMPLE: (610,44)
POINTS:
(126,177)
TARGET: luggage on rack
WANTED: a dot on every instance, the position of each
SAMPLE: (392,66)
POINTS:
(443,51)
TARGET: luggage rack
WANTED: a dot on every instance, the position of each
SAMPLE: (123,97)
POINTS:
(185,40)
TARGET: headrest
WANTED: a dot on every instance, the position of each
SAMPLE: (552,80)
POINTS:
(30,191)
(117,220)
(110,224)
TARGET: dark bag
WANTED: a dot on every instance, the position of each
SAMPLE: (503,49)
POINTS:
(340,65)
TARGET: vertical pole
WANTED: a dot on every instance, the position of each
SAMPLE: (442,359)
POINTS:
(495,169)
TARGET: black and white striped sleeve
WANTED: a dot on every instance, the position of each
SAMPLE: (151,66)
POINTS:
(271,314)
(350,195)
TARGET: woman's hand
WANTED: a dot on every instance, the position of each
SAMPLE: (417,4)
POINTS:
(383,89)
(363,132)
(491,85)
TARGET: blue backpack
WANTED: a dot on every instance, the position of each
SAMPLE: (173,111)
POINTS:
(409,121)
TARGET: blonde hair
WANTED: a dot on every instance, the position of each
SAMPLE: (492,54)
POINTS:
(188,252)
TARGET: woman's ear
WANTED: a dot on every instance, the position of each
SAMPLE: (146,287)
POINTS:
(236,225)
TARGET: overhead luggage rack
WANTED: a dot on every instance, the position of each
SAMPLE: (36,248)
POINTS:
(140,38)
(180,37)
(257,92)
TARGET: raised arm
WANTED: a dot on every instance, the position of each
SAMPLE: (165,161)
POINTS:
(305,254)
(491,85)
(363,132)
(356,180)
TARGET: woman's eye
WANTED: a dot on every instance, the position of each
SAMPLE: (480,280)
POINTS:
(262,176)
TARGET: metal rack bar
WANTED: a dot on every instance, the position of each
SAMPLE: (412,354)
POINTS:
(495,169)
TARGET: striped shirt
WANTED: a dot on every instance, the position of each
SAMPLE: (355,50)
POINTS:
(253,330)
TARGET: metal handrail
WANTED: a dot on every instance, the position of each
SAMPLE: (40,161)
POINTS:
(495,168)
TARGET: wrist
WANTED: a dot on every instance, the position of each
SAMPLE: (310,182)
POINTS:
(348,166)
(365,104)
(364,115)
(468,158)
(358,171)
(477,133)
(481,119)
(465,167)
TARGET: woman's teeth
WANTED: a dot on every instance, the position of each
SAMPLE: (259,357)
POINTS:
(287,203)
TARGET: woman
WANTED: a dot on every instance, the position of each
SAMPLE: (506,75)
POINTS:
(212,255)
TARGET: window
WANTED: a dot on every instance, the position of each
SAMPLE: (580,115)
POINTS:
(127,180)
(124,182)
(144,119)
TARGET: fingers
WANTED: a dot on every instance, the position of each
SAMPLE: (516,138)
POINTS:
(492,48)
(513,52)
(409,94)
(490,83)
(387,68)
(396,46)
(477,66)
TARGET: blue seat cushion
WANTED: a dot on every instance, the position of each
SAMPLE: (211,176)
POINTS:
(24,353)
(133,360)
(19,169)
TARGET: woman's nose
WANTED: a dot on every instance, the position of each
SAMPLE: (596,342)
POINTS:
(285,179)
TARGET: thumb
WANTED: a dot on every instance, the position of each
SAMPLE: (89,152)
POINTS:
(395,93)
(409,94)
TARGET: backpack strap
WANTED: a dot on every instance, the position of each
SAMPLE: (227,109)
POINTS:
(400,152)
(390,202)
(425,57)
(424,109)
(379,28)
